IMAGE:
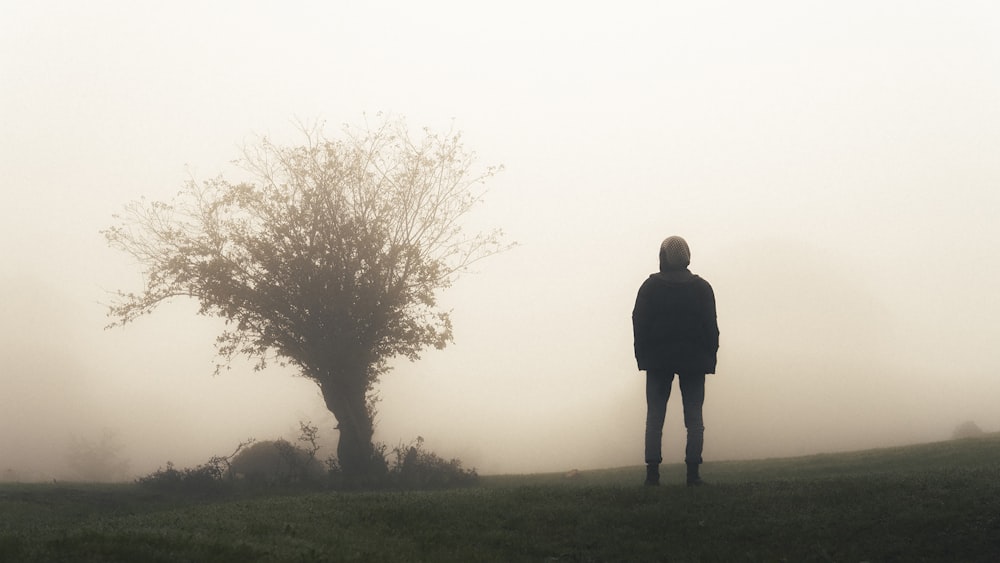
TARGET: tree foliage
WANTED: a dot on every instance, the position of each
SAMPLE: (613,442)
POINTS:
(329,256)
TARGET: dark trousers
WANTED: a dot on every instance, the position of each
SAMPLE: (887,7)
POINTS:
(658,385)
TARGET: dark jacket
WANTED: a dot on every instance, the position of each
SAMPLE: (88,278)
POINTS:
(674,323)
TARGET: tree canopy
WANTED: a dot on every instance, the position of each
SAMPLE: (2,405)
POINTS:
(327,256)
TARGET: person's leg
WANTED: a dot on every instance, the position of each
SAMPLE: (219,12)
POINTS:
(657,393)
(693,398)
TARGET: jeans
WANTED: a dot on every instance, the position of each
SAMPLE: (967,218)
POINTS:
(658,385)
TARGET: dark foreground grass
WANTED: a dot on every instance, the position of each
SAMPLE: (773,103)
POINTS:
(936,502)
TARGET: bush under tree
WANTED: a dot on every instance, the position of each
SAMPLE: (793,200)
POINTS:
(211,477)
(416,468)
(279,464)
(275,463)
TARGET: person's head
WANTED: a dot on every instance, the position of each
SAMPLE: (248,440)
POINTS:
(674,254)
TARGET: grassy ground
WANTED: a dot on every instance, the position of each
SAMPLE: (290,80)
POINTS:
(935,502)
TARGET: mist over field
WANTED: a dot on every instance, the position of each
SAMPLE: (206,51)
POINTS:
(833,169)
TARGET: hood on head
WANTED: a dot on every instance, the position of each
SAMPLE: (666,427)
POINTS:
(674,254)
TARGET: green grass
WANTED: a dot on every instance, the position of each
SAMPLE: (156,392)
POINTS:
(934,502)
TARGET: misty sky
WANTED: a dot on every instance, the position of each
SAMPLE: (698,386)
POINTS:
(833,165)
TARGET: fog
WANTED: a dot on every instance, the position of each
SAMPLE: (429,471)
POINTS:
(833,167)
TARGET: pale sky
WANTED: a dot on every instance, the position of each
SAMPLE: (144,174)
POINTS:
(833,166)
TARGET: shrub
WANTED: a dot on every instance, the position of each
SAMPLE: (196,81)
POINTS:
(203,479)
(207,478)
(967,429)
(276,462)
(416,468)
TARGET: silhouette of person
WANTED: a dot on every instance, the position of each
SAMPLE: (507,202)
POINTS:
(676,332)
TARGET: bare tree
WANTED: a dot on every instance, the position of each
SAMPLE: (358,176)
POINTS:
(329,258)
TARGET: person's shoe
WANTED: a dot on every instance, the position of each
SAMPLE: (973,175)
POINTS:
(652,475)
(693,479)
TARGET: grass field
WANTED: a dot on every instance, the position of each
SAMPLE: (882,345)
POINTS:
(933,502)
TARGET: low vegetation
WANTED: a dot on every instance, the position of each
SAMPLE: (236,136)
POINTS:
(280,466)
(933,502)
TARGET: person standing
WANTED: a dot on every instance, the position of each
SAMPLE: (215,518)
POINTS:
(676,331)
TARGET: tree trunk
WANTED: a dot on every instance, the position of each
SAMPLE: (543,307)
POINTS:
(355,452)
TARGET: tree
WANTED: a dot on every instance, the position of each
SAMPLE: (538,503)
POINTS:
(97,461)
(329,257)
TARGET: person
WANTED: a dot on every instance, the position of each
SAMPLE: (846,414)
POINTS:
(676,332)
